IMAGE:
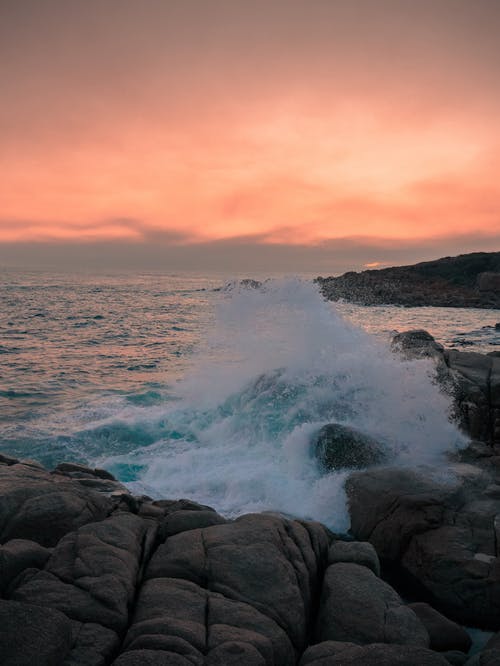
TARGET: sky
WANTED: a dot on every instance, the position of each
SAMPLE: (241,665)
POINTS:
(295,135)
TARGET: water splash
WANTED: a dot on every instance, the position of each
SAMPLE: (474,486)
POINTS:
(280,363)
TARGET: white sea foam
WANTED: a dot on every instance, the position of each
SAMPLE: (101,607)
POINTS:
(280,363)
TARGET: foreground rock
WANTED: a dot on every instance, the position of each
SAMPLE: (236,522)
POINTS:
(116,579)
(441,534)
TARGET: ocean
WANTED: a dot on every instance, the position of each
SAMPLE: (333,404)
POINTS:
(202,387)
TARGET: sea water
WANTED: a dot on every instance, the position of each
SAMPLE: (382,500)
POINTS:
(201,387)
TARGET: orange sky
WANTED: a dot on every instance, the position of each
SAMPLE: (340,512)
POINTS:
(273,122)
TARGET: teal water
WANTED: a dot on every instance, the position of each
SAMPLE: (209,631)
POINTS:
(183,386)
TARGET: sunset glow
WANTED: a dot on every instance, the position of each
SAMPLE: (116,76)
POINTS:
(280,123)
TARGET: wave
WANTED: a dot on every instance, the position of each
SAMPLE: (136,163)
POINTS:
(279,364)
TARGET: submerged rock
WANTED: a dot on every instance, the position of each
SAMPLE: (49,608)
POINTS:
(338,446)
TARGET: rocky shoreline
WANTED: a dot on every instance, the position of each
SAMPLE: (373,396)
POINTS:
(92,575)
(466,281)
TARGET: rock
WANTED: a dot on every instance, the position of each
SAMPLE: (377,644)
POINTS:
(42,507)
(92,573)
(437,534)
(333,653)
(30,635)
(489,281)
(455,657)
(417,343)
(181,521)
(93,645)
(358,607)
(469,280)
(7,460)
(341,447)
(494,642)
(358,552)
(485,658)
(76,471)
(18,555)
(444,634)
(472,379)
(151,658)
(246,588)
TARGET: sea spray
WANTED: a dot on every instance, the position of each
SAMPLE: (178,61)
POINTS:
(279,364)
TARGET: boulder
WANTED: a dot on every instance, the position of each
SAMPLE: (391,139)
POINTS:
(32,635)
(356,606)
(42,507)
(92,573)
(338,446)
(239,592)
(333,653)
(358,552)
(484,658)
(417,343)
(18,555)
(441,534)
(444,634)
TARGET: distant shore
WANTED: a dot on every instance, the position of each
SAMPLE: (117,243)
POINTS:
(467,281)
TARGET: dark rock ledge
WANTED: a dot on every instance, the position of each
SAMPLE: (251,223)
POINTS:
(91,575)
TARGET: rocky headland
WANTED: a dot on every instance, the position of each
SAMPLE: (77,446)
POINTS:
(469,280)
(92,575)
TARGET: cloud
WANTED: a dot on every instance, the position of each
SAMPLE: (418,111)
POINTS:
(248,255)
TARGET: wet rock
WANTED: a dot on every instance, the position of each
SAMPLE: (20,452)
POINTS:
(93,645)
(338,446)
(18,555)
(357,552)
(485,658)
(92,573)
(42,507)
(7,460)
(242,590)
(444,634)
(358,607)
(32,635)
(75,471)
(181,521)
(442,534)
(417,343)
(333,653)
(455,657)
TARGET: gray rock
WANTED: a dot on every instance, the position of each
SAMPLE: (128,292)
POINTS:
(151,658)
(93,645)
(438,533)
(358,607)
(91,576)
(444,634)
(32,635)
(485,658)
(358,552)
(455,657)
(345,654)
(18,555)
(181,521)
(417,343)
(42,507)
(341,447)
(7,460)
(243,590)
